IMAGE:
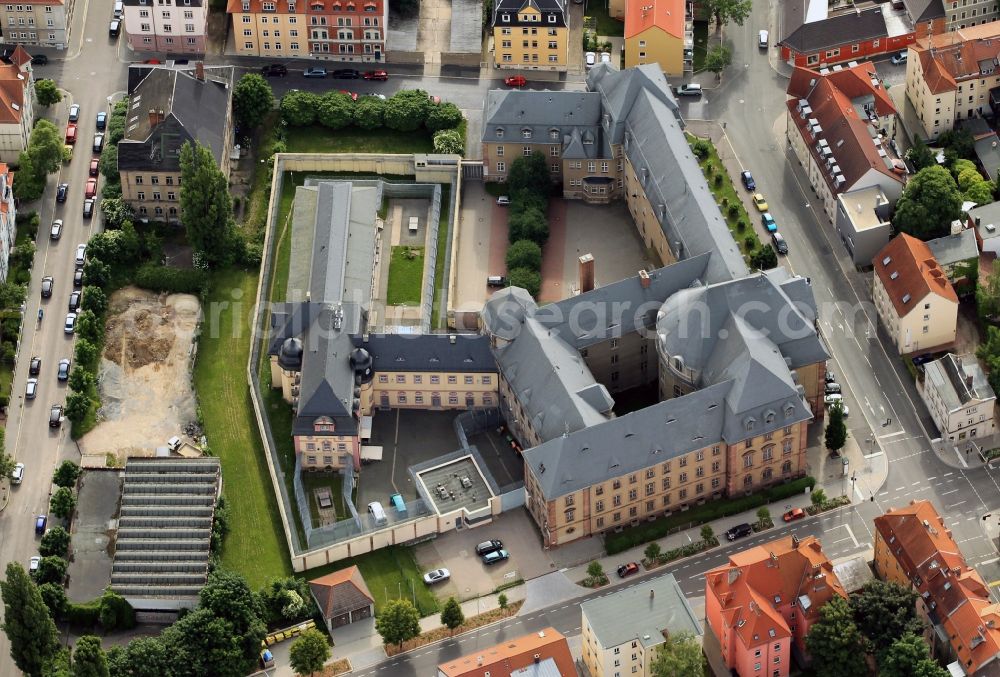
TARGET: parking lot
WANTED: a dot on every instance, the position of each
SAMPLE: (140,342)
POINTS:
(96,519)
(482,245)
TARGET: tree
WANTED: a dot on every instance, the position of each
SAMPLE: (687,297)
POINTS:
(51,570)
(407,110)
(54,596)
(80,379)
(206,206)
(449,142)
(30,630)
(836,429)
(47,93)
(818,497)
(718,59)
(56,540)
(115,612)
(502,600)
(89,659)
(77,407)
(108,166)
(116,211)
(45,146)
(252,100)
(528,279)
(989,353)
(707,533)
(228,596)
(920,155)
(528,224)
(298,109)
(285,600)
(85,353)
(398,622)
(309,653)
(595,570)
(142,657)
(335,110)
(929,204)
(369,112)
(908,656)
(451,615)
(94,300)
(66,474)
(885,611)
(63,502)
(205,644)
(764,259)
(88,326)
(725,11)
(679,656)
(7,462)
(529,173)
(958,144)
(30,182)
(524,254)
(958,167)
(834,642)
(980,192)
(96,273)
(443,116)
(652,552)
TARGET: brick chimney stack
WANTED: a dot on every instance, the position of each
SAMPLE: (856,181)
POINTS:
(152,117)
(199,70)
(644,279)
(586,273)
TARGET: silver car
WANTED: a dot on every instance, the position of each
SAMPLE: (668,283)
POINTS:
(31,389)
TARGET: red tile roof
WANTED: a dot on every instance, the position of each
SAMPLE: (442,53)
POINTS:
(501,660)
(948,58)
(340,592)
(927,553)
(909,272)
(13,86)
(667,15)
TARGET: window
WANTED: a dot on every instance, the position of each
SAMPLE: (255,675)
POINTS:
(140,195)
(599,506)
(171,195)
(633,494)
(452,379)
(435,379)
(526,151)
(748,460)
(501,167)
(383,378)
(400,378)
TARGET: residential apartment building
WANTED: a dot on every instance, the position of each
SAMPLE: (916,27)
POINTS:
(984,221)
(959,398)
(966,13)
(913,297)
(915,549)
(17,104)
(839,123)
(863,223)
(841,34)
(347,30)
(761,605)
(949,76)
(660,32)
(541,654)
(270,28)
(174,26)
(8,220)
(167,109)
(957,253)
(37,22)
(622,631)
(531,35)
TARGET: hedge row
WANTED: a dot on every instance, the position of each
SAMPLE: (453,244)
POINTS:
(171,280)
(630,537)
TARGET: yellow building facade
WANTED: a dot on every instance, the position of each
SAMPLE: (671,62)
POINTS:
(531,35)
(276,29)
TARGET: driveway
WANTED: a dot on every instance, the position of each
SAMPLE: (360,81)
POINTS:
(482,246)
(96,518)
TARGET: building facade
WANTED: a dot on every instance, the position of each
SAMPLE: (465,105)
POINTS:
(278,29)
(531,35)
(913,297)
(959,398)
(660,32)
(863,223)
(761,605)
(347,30)
(849,35)
(17,104)
(178,26)
(8,220)
(37,22)
(967,13)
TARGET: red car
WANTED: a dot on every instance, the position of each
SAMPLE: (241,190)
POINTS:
(794,514)
(628,569)
(353,95)
(376,75)
(91,189)
(95,166)
(515,81)
(71,133)
(434,99)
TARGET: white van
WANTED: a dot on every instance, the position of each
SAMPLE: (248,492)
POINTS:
(377,513)
(762,38)
(414,221)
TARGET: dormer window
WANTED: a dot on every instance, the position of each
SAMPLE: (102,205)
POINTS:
(769,417)
(552,18)
(525,133)
(505,18)
(750,423)
(554,134)
(499,133)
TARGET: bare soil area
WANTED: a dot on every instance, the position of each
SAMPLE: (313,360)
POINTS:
(145,374)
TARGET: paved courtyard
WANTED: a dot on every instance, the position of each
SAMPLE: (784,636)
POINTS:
(96,520)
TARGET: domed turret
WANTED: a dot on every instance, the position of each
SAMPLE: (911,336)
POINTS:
(290,355)
(361,363)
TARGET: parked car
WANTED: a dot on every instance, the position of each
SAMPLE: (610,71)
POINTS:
(832,388)
(114,28)
(55,232)
(605,57)
(496,556)
(63,372)
(33,564)
(30,388)
(55,416)
(101,121)
(81,254)
(95,167)
(274,70)
(78,277)
(589,59)
(376,75)
(74,300)
(436,576)
(35,366)
(503,200)
(794,514)
(74,113)
(515,81)
(830,377)
(17,476)
(346,74)
(314,72)
(762,38)
(91,188)
(70,325)
(47,284)
(39,60)
(40,522)
(71,134)
(62,191)
(88,208)
(496,281)
(747,178)
(488,546)
(739,531)
(779,243)
(899,59)
(690,89)
(98,143)
(759,202)
(628,569)
(376,95)
(768,222)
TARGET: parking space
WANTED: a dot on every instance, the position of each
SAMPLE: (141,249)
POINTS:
(482,245)
(96,519)
(502,461)
(456,551)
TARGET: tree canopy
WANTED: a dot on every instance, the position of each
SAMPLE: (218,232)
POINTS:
(930,202)
(398,622)
(335,110)
(47,92)
(299,108)
(206,206)
(252,99)
(88,658)
(679,656)
(45,146)
(728,11)
(718,59)
(836,646)
(529,173)
(449,141)
(228,596)
(908,656)
(142,657)
(30,630)
(451,615)
(885,611)
(920,155)
(836,429)
(309,653)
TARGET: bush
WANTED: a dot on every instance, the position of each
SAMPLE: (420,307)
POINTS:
(449,142)
(114,613)
(172,280)
(701,148)
(55,542)
(524,254)
(443,116)
(85,615)
(650,531)
(298,109)
(718,180)
(733,210)
(529,279)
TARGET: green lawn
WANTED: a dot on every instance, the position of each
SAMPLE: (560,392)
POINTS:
(700,44)
(255,546)
(318,139)
(332,481)
(390,573)
(606,25)
(442,248)
(405,275)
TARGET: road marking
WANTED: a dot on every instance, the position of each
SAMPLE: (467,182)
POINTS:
(989,561)
(848,527)
(955,505)
(960,459)
(916,483)
(932,478)
(948,474)
(945,493)
(994,584)
(875,455)
(898,432)
(857,492)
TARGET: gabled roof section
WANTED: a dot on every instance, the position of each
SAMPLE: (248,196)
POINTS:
(949,58)
(13,88)
(841,29)
(665,15)
(654,610)
(952,249)
(341,591)
(924,10)
(570,118)
(546,650)
(514,8)
(909,272)
(468,353)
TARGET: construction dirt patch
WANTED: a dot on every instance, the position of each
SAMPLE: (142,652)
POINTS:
(144,377)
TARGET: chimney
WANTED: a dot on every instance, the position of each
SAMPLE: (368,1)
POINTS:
(652,593)
(795,541)
(152,117)
(199,70)
(968,381)
(644,279)
(586,273)
(160,116)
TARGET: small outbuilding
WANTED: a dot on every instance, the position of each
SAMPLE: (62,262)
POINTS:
(342,597)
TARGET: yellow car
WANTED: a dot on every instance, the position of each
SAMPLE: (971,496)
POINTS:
(760,202)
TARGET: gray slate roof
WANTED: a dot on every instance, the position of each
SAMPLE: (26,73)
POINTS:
(642,115)
(193,110)
(574,117)
(429,352)
(988,153)
(924,10)
(948,377)
(642,613)
(986,215)
(546,7)
(952,249)
(842,29)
